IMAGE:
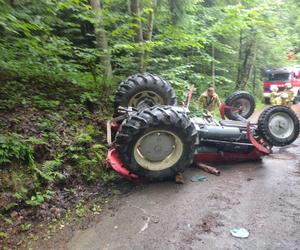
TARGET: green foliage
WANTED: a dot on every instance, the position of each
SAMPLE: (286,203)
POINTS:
(42,103)
(80,209)
(25,227)
(39,198)
(35,43)
(3,235)
(50,170)
(83,138)
(13,148)
(21,194)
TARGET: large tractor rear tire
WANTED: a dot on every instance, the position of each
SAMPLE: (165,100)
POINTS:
(142,91)
(157,143)
(278,125)
(243,100)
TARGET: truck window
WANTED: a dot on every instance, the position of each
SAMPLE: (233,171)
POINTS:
(279,77)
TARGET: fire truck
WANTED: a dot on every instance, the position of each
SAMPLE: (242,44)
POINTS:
(280,77)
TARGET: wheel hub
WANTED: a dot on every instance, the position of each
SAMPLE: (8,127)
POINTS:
(244,106)
(158,150)
(145,97)
(156,146)
(281,125)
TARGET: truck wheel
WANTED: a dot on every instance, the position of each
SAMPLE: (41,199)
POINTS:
(157,143)
(296,100)
(144,90)
(267,100)
(278,125)
(240,99)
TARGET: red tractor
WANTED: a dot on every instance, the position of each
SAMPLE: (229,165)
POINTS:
(152,138)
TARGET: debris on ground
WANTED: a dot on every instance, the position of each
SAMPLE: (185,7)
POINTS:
(154,219)
(146,225)
(179,179)
(198,178)
(239,232)
(210,222)
(209,169)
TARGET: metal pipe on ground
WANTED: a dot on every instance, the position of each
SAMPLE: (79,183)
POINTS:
(208,169)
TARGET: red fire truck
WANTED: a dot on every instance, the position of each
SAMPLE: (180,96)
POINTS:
(280,77)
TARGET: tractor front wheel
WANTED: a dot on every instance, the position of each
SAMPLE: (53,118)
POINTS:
(242,100)
(278,125)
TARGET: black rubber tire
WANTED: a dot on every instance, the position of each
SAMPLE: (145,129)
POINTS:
(150,119)
(263,126)
(143,82)
(233,99)
(296,100)
(267,100)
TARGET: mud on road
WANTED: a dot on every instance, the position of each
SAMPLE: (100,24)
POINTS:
(261,196)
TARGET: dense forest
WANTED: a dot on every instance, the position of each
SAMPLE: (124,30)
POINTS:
(61,61)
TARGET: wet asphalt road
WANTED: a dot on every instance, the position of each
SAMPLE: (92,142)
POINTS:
(261,196)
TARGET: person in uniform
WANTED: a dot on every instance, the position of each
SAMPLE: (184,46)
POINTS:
(288,95)
(209,100)
(275,98)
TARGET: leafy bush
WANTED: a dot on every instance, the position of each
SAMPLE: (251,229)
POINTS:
(14,148)
(49,170)
(39,198)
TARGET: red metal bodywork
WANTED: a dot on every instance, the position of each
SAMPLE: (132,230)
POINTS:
(223,107)
(228,157)
(224,157)
(117,165)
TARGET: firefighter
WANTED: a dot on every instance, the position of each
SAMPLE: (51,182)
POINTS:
(275,96)
(288,95)
(284,99)
(209,100)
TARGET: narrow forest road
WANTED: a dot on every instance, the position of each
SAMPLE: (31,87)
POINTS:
(261,196)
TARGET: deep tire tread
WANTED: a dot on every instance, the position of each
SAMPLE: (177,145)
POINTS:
(156,118)
(233,98)
(263,128)
(140,82)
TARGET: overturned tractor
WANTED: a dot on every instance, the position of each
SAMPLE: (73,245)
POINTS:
(151,137)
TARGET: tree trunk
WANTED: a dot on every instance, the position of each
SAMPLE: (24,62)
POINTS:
(135,11)
(254,80)
(213,71)
(245,67)
(247,58)
(149,33)
(101,39)
(173,10)
(250,63)
(238,77)
(151,20)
